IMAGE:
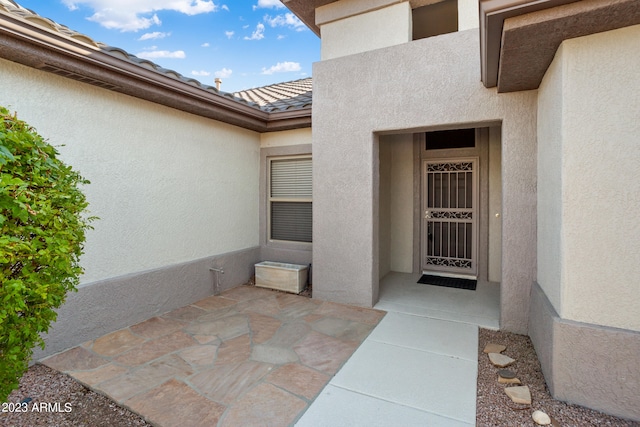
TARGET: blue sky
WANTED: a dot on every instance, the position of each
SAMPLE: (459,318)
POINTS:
(247,43)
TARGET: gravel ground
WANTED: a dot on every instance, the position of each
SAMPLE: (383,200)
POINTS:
(85,408)
(495,408)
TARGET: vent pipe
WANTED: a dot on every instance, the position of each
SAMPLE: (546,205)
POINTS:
(218,82)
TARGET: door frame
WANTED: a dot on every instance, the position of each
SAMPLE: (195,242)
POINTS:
(476,212)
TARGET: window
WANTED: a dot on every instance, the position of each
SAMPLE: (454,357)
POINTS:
(290,202)
(443,139)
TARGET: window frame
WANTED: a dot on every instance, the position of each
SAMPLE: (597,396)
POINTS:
(270,200)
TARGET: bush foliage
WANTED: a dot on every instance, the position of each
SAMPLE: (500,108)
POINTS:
(42,234)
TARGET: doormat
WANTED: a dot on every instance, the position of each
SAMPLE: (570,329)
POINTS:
(449,282)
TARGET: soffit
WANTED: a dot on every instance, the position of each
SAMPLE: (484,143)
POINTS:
(519,38)
(306,9)
(38,42)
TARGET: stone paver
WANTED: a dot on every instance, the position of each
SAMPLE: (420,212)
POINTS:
(262,327)
(77,359)
(201,355)
(155,327)
(155,348)
(234,350)
(299,380)
(249,356)
(188,313)
(226,383)
(101,374)
(264,402)
(116,343)
(176,404)
(323,352)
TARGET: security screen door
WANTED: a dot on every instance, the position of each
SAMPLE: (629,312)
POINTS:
(450,216)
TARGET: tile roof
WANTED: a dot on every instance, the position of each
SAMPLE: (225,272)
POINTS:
(274,98)
(280,96)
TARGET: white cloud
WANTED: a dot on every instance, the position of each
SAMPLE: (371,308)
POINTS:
(258,34)
(155,54)
(282,67)
(135,15)
(280,37)
(224,7)
(287,20)
(268,4)
(200,73)
(206,44)
(225,73)
(154,35)
(229,34)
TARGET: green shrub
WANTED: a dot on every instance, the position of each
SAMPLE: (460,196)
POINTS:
(42,226)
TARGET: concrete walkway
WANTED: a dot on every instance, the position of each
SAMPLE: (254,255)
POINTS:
(419,365)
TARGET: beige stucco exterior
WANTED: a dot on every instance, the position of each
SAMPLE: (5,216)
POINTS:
(384,27)
(589,181)
(436,86)
(495,206)
(285,138)
(155,172)
(467,14)
(396,203)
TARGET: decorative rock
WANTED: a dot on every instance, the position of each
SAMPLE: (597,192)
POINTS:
(541,418)
(514,380)
(500,360)
(519,394)
(554,422)
(494,348)
(506,374)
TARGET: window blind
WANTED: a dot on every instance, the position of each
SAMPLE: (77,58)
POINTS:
(291,199)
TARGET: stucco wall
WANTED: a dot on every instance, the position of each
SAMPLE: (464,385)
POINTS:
(285,138)
(586,364)
(372,30)
(549,208)
(591,208)
(419,85)
(495,206)
(169,187)
(384,210)
(396,203)
(402,198)
(468,12)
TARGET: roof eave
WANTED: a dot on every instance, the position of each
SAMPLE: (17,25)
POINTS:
(49,51)
(287,120)
(305,10)
(519,38)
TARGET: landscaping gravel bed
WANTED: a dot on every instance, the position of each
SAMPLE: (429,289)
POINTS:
(495,408)
(58,400)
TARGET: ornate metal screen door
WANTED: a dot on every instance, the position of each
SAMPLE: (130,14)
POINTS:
(449,225)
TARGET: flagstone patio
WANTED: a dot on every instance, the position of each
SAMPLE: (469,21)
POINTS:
(249,356)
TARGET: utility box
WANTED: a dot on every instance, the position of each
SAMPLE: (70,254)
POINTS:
(282,276)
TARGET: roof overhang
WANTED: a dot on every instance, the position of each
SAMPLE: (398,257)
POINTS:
(519,38)
(306,9)
(50,51)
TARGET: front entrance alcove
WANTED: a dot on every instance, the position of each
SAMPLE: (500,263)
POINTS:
(457,171)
